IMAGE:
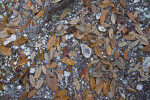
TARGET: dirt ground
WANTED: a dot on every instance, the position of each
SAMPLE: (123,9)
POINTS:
(89,50)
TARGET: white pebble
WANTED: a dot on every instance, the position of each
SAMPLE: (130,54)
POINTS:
(32,70)
(101,28)
(66,73)
(10,39)
(19,87)
(139,87)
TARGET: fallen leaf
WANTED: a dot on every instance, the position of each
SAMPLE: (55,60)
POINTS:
(92,83)
(51,79)
(133,44)
(57,41)
(120,63)
(51,54)
(23,96)
(135,68)
(103,16)
(33,22)
(39,2)
(44,69)
(78,36)
(99,87)
(72,54)
(106,87)
(3,34)
(40,54)
(14,22)
(65,51)
(113,19)
(77,84)
(111,33)
(20,41)
(3,22)
(70,68)
(77,97)
(68,61)
(39,84)
(27,23)
(64,14)
(96,74)
(38,72)
(32,93)
(132,17)
(74,22)
(62,98)
(83,71)
(112,89)
(146,48)
(32,80)
(62,93)
(142,39)
(51,42)
(22,61)
(5,51)
(125,54)
(25,14)
(98,52)
(131,90)
(10,30)
(22,54)
(56,88)
(116,55)
(52,65)
(122,44)
(108,50)
(55,1)
(138,29)
(123,3)
(106,3)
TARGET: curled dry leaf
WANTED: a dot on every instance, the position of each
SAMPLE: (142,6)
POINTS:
(22,61)
(52,65)
(120,63)
(123,3)
(32,80)
(98,52)
(131,90)
(20,41)
(51,42)
(125,54)
(51,79)
(146,48)
(64,14)
(32,93)
(92,83)
(5,51)
(132,17)
(39,84)
(122,44)
(62,93)
(99,87)
(106,87)
(38,72)
(68,61)
(112,89)
(77,84)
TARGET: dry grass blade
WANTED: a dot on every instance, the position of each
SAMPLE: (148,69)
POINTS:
(106,87)
(123,3)
(5,51)
(64,14)
(92,83)
(51,42)
(77,84)
(132,17)
(20,41)
(98,52)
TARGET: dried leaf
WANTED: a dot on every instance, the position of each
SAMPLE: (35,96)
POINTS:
(120,63)
(40,13)
(20,41)
(57,41)
(64,14)
(108,50)
(52,65)
(51,42)
(32,81)
(78,36)
(111,33)
(39,84)
(103,16)
(135,68)
(22,54)
(142,39)
(77,97)
(112,89)
(38,72)
(138,29)
(3,34)
(77,84)
(23,96)
(106,87)
(68,61)
(72,54)
(22,61)
(5,51)
(96,74)
(10,30)
(33,22)
(133,44)
(113,19)
(56,88)
(65,51)
(98,52)
(14,22)
(116,55)
(55,1)
(99,87)
(51,54)
(74,22)
(25,14)
(123,3)
(122,44)
(83,72)
(92,83)
(106,3)
(125,54)
(4,22)
(40,54)
(132,17)
(146,48)
(44,69)
(32,93)
(62,93)
(62,98)
(27,23)
(39,2)
(131,90)
(51,79)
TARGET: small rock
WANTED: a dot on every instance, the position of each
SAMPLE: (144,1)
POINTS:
(19,87)
(146,64)
(98,16)
(10,39)
(32,70)
(66,73)
(101,28)
(139,87)
(86,51)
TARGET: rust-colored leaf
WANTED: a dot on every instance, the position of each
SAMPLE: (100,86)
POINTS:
(77,84)
(132,17)
(52,65)
(92,83)
(70,68)
(99,87)
(98,52)
(146,48)
(20,41)
(62,93)
(40,54)
(106,87)
(123,3)
(22,61)
(51,79)
(32,93)
(56,88)
(83,72)
(125,54)
(131,90)
(23,96)
(96,44)
(5,51)
(33,22)
(68,61)
(22,54)
(51,42)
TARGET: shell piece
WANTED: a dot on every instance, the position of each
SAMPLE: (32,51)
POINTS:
(86,51)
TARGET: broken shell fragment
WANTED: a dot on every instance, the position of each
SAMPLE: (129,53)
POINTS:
(86,51)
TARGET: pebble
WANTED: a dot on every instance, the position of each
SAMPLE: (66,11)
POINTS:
(32,70)
(66,73)
(139,87)
(86,51)
(10,39)
(101,28)
(19,87)
(98,16)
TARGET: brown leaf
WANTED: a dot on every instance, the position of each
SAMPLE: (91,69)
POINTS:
(133,44)
(38,72)
(123,3)
(146,48)
(33,22)
(52,65)
(125,54)
(74,22)
(68,61)
(113,18)
(22,61)
(70,68)
(98,52)
(111,33)
(122,44)
(39,2)
(39,84)
(120,63)
(20,41)
(78,36)
(106,87)
(27,23)
(40,13)
(23,96)
(106,3)
(112,89)
(99,87)
(96,44)
(57,41)
(51,79)
(62,93)
(64,14)
(51,54)
(10,30)
(116,55)
(108,50)
(3,22)
(72,53)
(92,83)
(132,17)
(44,69)
(32,93)
(131,90)
(22,54)
(5,51)
(65,51)
(32,80)
(14,22)
(25,14)
(77,97)
(51,42)
(103,16)
(62,98)
(129,37)
(77,84)
(40,54)
(142,39)
(83,71)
